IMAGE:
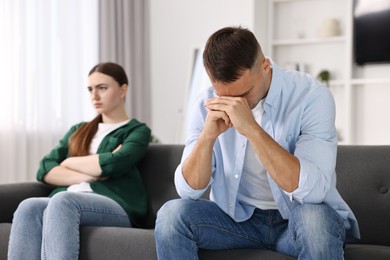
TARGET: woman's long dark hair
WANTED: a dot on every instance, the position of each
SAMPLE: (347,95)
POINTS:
(80,140)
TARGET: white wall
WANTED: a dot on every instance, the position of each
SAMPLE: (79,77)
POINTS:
(177,27)
(371,105)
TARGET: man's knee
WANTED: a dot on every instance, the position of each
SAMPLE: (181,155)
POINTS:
(173,210)
(171,219)
(313,214)
(317,229)
(310,220)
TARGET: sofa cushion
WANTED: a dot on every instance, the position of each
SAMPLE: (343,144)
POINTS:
(5,228)
(363,180)
(157,170)
(19,192)
(129,243)
(364,252)
(117,243)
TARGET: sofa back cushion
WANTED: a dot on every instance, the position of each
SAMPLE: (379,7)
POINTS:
(157,170)
(363,180)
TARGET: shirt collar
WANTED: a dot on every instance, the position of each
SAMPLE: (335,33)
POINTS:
(274,92)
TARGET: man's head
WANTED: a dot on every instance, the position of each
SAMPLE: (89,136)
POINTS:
(229,52)
(236,64)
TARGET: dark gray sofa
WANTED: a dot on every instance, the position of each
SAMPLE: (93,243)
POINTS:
(363,180)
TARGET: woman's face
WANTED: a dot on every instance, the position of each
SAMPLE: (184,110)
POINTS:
(106,94)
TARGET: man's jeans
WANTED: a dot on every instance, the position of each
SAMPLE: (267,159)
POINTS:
(314,231)
(48,228)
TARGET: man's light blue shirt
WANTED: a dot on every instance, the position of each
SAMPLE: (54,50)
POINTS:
(299,114)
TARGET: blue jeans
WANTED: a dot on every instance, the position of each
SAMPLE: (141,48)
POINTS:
(48,228)
(312,232)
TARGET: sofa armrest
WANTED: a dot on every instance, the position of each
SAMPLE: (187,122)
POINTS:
(11,194)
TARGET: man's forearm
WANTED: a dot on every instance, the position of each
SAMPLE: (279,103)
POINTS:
(280,164)
(197,167)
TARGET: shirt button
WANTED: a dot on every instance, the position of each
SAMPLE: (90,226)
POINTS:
(236,176)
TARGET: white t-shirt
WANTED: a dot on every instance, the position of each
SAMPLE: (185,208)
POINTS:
(254,187)
(103,130)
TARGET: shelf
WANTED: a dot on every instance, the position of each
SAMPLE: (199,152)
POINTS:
(337,82)
(284,1)
(289,42)
(354,82)
(377,81)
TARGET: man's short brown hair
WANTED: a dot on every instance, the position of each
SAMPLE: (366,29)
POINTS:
(228,52)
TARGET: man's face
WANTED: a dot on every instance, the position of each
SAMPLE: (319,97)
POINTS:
(253,85)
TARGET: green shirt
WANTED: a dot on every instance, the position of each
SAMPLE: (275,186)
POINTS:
(124,184)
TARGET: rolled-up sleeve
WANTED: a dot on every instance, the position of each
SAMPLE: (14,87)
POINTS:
(134,147)
(196,126)
(56,155)
(183,189)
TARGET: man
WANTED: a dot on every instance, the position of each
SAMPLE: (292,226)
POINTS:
(264,139)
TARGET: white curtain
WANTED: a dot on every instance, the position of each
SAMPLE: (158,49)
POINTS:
(124,38)
(46,50)
(199,82)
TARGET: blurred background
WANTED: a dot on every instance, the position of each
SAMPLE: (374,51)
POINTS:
(47,48)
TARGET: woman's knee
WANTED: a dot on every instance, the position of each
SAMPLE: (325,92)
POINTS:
(32,206)
(62,203)
(64,199)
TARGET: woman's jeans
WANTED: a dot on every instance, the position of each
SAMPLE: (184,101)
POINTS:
(48,228)
(314,231)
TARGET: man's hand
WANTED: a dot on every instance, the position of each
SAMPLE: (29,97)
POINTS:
(237,110)
(216,123)
(280,164)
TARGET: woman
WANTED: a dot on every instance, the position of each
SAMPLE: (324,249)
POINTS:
(94,169)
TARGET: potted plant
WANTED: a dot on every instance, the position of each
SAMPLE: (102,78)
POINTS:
(324,77)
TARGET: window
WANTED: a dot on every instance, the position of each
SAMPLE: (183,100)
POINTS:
(46,51)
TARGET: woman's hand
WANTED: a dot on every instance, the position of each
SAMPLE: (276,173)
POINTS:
(117,149)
